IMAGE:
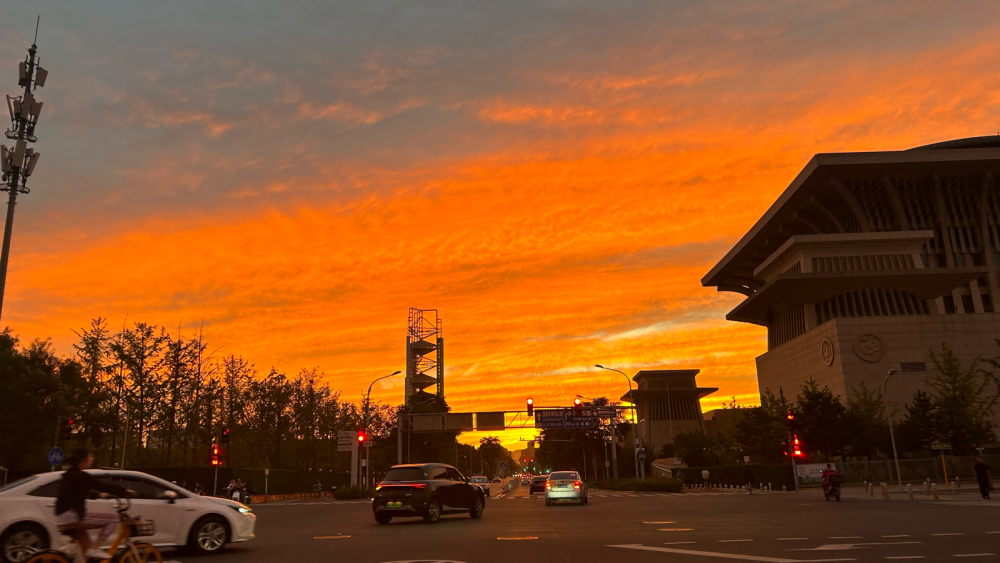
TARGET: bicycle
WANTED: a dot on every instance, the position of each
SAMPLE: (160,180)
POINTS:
(128,528)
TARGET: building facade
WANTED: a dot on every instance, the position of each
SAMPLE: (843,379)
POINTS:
(668,403)
(870,260)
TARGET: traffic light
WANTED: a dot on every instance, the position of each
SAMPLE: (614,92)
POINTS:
(362,436)
(225,436)
(577,407)
(795,446)
(216,455)
(531,407)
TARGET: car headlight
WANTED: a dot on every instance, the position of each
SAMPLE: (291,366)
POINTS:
(242,509)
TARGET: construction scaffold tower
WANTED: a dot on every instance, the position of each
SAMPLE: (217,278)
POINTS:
(424,353)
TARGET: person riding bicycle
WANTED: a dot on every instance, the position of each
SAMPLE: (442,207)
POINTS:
(75,488)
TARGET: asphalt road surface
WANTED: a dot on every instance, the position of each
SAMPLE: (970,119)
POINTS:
(634,527)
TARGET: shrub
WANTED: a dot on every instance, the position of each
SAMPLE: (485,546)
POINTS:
(352,493)
(661,484)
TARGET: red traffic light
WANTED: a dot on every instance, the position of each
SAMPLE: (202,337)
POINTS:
(791,416)
(577,407)
(216,455)
(362,436)
(795,446)
(531,407)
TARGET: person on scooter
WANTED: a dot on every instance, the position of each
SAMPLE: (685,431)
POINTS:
(826,479)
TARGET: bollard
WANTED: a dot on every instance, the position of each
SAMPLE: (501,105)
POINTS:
(885,491)
(927,486)
(909,491)
(954,487)
(768,487)
(934,491)
(784,488)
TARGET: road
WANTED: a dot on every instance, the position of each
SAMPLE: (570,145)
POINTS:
(637,527)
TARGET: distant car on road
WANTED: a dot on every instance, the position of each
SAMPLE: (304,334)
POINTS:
(526,479)
(563,486)
(483,483)
(428,490)
(537,484)
(181,518)
(497,479)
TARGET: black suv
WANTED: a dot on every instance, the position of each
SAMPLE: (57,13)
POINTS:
(427,490)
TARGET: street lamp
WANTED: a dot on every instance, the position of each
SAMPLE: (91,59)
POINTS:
(614,445)
(368,444)
(888,416)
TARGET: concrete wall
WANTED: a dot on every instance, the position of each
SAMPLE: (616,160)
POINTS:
(903,339)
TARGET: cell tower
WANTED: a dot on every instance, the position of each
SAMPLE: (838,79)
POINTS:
(424,353)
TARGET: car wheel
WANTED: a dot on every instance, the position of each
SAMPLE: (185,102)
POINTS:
(548,502)
(477,508)
(433,511)
(382,518)
(21,541)
(208,535)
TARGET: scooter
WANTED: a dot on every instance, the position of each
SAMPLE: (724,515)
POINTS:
(833,490)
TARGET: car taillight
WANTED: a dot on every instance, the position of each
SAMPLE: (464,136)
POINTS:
(576,485)
(420,485)
(548,485)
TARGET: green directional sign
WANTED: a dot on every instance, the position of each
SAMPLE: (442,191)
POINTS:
(940,445)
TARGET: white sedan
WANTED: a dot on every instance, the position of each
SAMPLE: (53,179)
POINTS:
(182,519)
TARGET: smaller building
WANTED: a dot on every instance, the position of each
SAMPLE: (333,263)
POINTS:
(668,403)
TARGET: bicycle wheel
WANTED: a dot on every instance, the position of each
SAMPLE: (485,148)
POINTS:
(48,556)
(141,553)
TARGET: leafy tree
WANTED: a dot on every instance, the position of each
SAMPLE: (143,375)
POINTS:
(761,430)
(819,420)
(696,449)
(964,400)
(865,422)
(918,428)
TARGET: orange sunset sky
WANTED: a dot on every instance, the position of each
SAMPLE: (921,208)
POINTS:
(553,177)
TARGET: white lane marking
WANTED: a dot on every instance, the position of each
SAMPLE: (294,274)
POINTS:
(677,542)
(731,541)
(951,534)
(898,536)
(724,555)
(843,546)
(973,555)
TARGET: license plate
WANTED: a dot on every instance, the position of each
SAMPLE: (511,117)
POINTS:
(562,486)
(394,505)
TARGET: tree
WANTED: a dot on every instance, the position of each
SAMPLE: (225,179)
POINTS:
(964,400)
(696,449)
(819,417)
(865,422)
(761,430)
(918,428)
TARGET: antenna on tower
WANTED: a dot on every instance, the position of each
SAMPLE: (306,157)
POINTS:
(37,21)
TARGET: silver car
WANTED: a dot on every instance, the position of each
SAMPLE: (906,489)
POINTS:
(483,483)
(565,486)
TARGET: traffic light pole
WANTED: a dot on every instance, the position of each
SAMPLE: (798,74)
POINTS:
(215,483)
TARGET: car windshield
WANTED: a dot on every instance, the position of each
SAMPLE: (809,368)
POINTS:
(479,479)
(405,474)
(563,476)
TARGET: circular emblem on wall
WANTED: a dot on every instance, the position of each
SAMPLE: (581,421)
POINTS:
(827,351)
(869,348)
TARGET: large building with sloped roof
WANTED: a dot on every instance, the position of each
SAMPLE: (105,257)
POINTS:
(869,260)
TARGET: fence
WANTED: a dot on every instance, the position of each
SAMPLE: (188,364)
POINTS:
(911,470)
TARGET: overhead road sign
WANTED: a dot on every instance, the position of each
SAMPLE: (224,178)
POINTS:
(564,418)
(940,445)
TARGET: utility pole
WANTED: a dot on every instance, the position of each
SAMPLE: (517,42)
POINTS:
(18,163)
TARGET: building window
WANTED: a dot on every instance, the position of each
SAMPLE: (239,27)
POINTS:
(967,304)
(987,302)
(960,259)
(949,305)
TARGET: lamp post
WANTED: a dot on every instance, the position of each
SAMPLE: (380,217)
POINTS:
(368,442)
(18,162)
(614,435)
(888,416)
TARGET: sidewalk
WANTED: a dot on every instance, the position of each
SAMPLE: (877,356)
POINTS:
(967,493)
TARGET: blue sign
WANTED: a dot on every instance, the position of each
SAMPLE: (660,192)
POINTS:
(503,465)
(563,418)
(56,456)
(642,455)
